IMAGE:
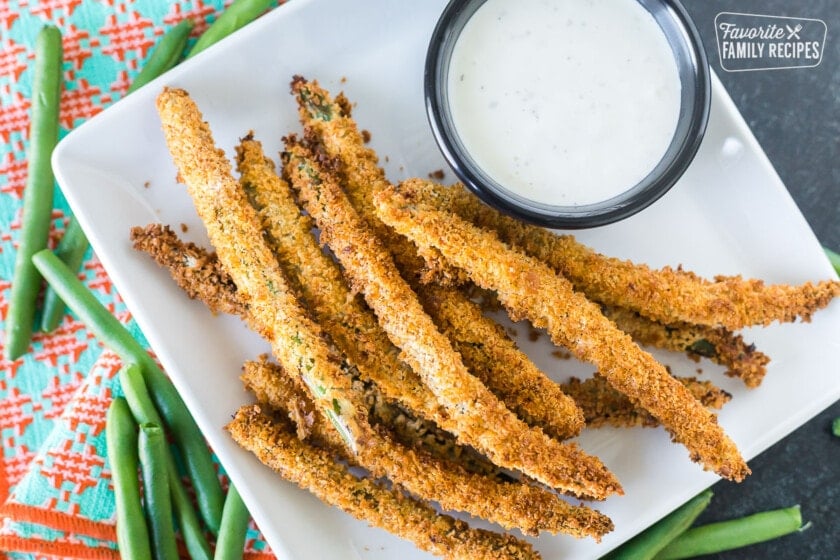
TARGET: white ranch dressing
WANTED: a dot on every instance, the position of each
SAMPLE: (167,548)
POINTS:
(564,102)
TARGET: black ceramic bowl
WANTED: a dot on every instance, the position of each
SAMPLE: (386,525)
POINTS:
(693,70)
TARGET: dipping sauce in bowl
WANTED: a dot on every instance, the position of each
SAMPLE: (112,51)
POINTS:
(567,113)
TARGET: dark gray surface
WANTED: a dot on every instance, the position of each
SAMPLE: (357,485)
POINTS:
(795,115)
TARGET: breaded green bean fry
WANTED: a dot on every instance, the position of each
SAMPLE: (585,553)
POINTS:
(512,504)
(234,230)
(481,417)
(715,343)
(266,381)
(313,469)
(506,371)
(353,327)
(528,288)
(604,406)
(666,295)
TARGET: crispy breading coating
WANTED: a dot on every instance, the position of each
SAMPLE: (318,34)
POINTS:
(666,295)
(528,288)
(487,351)
(511,503)
(494,358)
(506,371)
(234,230)
(601,404)
(350,324)
(261,378)
(480,416)
(328,122)
(604,406)
(197,271)
(233,227)
(276,446)
(720,345)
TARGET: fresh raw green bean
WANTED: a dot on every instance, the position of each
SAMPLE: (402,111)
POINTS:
(177,419)
(73,245)
(121,439)
(194,539)
(137,395)
(71,250)
(144,412)
(235,16)
(152,449)
(834,258)
(733,534)
(166,55)
(231,542)
(835,427)
(649,542)
(38,194)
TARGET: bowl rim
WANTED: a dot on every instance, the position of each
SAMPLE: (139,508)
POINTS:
(631,201)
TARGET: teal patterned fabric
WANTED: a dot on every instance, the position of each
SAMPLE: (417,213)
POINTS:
(52,399)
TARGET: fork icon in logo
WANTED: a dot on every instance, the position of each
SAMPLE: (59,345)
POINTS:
(793,32)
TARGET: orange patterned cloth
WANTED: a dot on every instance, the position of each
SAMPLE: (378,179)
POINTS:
(55,484)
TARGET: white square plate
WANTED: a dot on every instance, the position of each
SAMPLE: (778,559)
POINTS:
(730,214)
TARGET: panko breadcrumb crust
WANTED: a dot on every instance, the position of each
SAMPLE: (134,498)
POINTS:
(315,470)
(530,289)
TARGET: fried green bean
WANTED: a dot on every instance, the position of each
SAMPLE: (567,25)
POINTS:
(234,230)
(480,416)
(276,445)
(528,288)
(267,382)
(666,295)
(512,504)
(719,345)
(604,406)
(487,352)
